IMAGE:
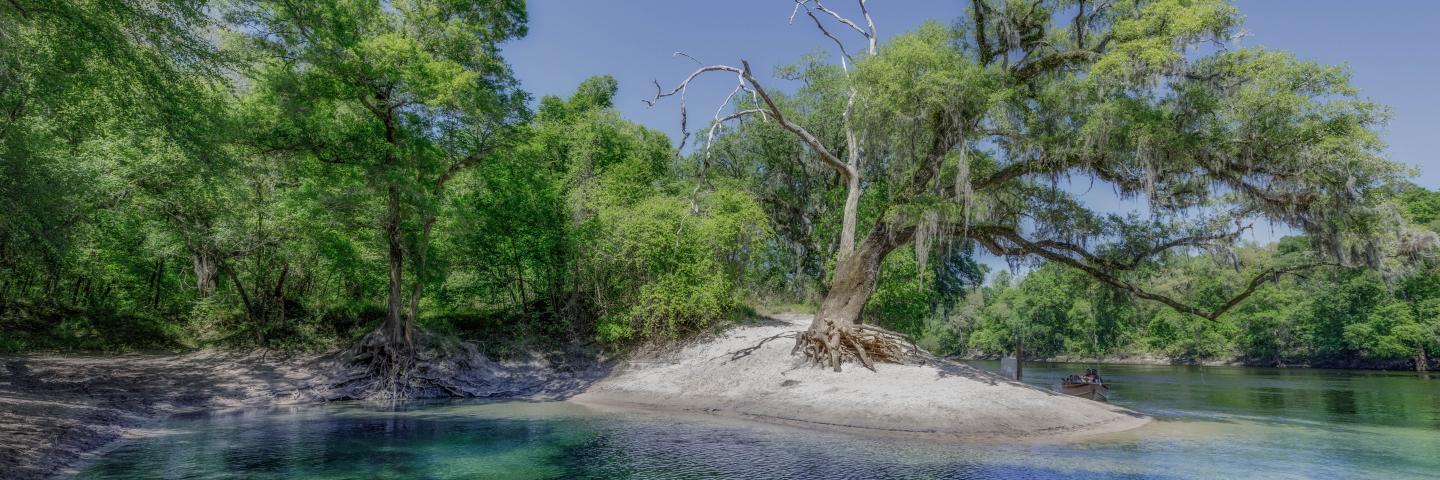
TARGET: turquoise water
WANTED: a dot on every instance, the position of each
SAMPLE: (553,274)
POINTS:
(1212,422)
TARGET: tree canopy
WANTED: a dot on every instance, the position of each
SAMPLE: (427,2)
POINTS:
(972,132)
(370,174)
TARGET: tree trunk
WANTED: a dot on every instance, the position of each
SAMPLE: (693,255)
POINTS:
(1422,362)
(797,283)
(855,276)
(397,326)
(155,284)
(204,262)
(854,281)
(250,307)
(849,217)
(417,288)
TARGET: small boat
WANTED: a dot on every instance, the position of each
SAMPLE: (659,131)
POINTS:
(1094,391)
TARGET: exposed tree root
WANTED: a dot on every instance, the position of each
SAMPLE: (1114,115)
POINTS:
(434,366)
(866,344)
(745,352)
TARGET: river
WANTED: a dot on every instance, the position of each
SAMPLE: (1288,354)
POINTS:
(1211,422)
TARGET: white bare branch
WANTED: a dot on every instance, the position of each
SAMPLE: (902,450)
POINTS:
(849,169)
(686,55)
(852,143)
(871,38)
(870,22)
(719,124)
(869,33)
(805,136)
(845,58)
(681,90)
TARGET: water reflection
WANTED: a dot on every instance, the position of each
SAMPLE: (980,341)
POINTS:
(1213,423)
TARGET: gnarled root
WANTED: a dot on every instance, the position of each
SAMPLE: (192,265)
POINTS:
(867,344)
(376,368)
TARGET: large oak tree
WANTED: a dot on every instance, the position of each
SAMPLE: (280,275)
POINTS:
(974,132)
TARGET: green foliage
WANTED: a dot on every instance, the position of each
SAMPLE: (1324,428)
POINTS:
(587,213)
(176,179)
(30,327)
(668,270)
(1145,35)
(1420,206)
(1328,316)
(904,296)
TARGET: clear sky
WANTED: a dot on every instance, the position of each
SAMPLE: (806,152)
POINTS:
(1391,47)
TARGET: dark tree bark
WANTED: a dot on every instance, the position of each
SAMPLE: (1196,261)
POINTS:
(1422,362)
(397,326)
(155,282)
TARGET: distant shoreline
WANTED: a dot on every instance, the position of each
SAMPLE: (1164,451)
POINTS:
(1353,364)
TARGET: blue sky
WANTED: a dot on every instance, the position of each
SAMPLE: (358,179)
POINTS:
(1389,45)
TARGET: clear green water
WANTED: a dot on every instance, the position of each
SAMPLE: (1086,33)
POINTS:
(1211,423)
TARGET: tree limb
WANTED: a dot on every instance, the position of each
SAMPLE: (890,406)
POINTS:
(1028,70)
(684,88)
(1014,244)
(830,159)
(871,38)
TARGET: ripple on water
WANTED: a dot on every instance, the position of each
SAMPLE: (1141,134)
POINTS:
(1212,423)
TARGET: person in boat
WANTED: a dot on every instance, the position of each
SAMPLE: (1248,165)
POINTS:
(1092,376)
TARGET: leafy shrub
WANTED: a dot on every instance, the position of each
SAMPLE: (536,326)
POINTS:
(670,267)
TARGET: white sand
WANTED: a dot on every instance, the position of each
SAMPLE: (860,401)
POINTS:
(940,399)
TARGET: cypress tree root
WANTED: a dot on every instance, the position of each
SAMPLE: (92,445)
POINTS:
(434,366)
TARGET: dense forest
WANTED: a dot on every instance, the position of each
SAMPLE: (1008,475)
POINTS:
(182,174)
(1337,317)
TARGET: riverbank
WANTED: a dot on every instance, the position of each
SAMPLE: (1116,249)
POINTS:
(1230,423)
(57,410)
(933,398)
(1148,359)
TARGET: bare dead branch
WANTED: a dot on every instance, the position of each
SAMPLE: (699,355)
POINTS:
(845,58)
(686,55)
(869,35)
(848,170)
(681,90)
(870,23)
(814,143)
(720,122)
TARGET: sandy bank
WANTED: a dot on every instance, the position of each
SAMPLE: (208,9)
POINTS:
(939,399)
(56,409)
